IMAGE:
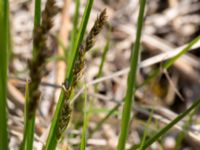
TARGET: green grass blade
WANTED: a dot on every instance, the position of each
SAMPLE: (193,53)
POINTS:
(170,62)
(156,72)
(10,44)
(52,140)
(80,37)
(28,138)
(85,124)
(154,138)
(74,30)
(146,129)
(103,58)
(24,145)
(4,31)
(37,14)
(186,126)
(131,81)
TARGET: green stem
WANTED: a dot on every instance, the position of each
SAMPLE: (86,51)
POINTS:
(195,105)
(85,123)
(103,58)
(170,62)
(4,31)
(37,15)
(74,31)
(131,81)
(52,139)
(28,138)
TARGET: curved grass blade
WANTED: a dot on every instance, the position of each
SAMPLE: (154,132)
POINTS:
(186,127)
(170,62)
(164,130)
(153,75)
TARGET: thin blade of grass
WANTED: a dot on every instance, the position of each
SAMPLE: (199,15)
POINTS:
(103,58)
(146,129)
(153,75)
(170,62)
(74,31)
(99,74)
(28,138)
(37,13)
(131,81)
(85,123)
(4,31)
(164,130)
(52,139)
(182,134)
(24,145)
(83,26)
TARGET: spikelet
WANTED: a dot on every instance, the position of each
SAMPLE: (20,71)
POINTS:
(65,113)
(37,64)
(90,40)
(97,27)
(79,65)
(77,71)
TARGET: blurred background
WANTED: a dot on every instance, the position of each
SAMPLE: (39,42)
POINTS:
(168,26)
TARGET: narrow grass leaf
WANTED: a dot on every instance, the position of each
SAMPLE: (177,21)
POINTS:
(164,130)
(4,31)
(103,57)
(170,62)
(85,123)
(146,130)
(28,138)
(131,82)
(186,126)
(74,31)
(24,145)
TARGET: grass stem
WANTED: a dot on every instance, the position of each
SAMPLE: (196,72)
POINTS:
(4,34)
(131,85)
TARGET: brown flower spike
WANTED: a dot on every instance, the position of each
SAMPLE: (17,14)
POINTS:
(40,53)
(77,71)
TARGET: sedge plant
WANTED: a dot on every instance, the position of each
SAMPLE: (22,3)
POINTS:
(30,122)
(78,48)
(37,66)
(63,110)
(54,134)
